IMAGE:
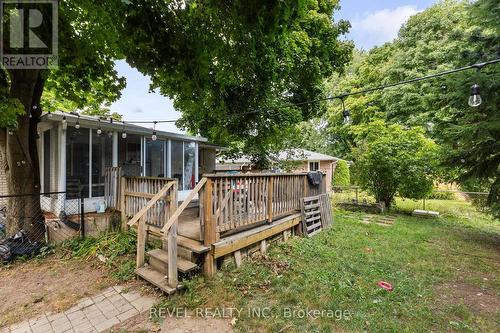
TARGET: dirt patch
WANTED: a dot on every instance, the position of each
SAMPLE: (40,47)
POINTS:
(475,298)
(142,323)
(53,284)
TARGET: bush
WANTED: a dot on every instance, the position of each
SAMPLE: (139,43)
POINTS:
(341,176)
(115,249)
(394,160)
(442,195)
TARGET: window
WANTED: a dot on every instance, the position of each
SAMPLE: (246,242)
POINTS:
(183,162)
(102,158)
(46,162)
(155,154)
(189,165)
(177,160)
(129,155)
(313,166)
(77,161)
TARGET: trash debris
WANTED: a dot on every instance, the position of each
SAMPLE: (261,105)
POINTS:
(18,245)
(385,285)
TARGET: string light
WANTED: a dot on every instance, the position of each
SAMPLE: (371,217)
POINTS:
(124,134)
(77,125)
(475,98)
(154,137)
(99,130)
(346,114)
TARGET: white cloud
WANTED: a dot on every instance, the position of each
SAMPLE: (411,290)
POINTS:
(378,27)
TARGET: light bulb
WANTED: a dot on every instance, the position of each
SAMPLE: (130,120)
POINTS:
(475,98)
(10,132)
(154,137)
(99,131)
(124,135)
(347,117)
(77,125)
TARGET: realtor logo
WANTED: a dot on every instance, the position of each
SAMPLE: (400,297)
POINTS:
(28,32)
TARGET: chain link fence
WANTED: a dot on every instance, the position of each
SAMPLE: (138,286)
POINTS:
(444,201)
(28,222)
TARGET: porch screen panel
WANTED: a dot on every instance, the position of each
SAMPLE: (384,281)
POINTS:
(129,155)
(177,158)
(155,155)
(102,158)
(77,161)
(46,161)
(189,165)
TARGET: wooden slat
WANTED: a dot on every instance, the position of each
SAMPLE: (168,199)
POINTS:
(150,204)
(184,204)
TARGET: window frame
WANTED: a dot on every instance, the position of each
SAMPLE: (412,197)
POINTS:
(309,166)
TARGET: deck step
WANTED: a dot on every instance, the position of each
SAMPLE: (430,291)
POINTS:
(159,261)
(191,244)
(156,278)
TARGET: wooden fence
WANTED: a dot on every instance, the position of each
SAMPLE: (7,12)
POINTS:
(112,187)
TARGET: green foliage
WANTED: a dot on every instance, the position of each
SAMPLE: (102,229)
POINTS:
(448,35)
(117,248)
(393,160)
(233,68)
(342,175)
(441,195)
(110,245)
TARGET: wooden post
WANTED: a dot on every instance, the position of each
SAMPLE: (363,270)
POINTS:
(173,280)
(237,258)
(210,234)
(123,182)
(305,186)
(141,242)
(270,199)
(263,246)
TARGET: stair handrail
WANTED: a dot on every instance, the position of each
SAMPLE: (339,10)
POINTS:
(150,203)
(184,204)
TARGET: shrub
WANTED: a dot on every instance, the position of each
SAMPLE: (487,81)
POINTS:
(442,195)
(394,160)
(342,176)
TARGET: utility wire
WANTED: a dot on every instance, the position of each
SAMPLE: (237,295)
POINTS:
(342,96)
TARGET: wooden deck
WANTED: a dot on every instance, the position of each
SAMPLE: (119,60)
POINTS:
(223,214)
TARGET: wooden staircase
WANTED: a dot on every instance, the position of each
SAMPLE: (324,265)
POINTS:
(179,255)
(155,271)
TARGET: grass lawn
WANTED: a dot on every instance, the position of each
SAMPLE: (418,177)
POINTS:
(445,273)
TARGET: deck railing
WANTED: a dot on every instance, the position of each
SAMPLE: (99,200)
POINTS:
(242,200)
(161,205)
(137,192)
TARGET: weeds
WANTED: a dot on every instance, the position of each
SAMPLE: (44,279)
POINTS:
(114,249)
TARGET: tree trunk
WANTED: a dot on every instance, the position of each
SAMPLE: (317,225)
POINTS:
(22,168)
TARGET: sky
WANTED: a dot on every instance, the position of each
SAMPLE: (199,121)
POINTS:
(373,22)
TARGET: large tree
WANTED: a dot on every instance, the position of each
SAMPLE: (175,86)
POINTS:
(447,35)
(237,66)
(232,68)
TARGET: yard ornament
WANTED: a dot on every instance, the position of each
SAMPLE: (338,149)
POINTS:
(385,285)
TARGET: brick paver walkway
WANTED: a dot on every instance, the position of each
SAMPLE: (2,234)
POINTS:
(92,314)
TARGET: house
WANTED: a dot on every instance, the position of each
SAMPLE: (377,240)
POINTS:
(296,160)
(75,151)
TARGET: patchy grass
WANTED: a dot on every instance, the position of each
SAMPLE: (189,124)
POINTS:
(445,274)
